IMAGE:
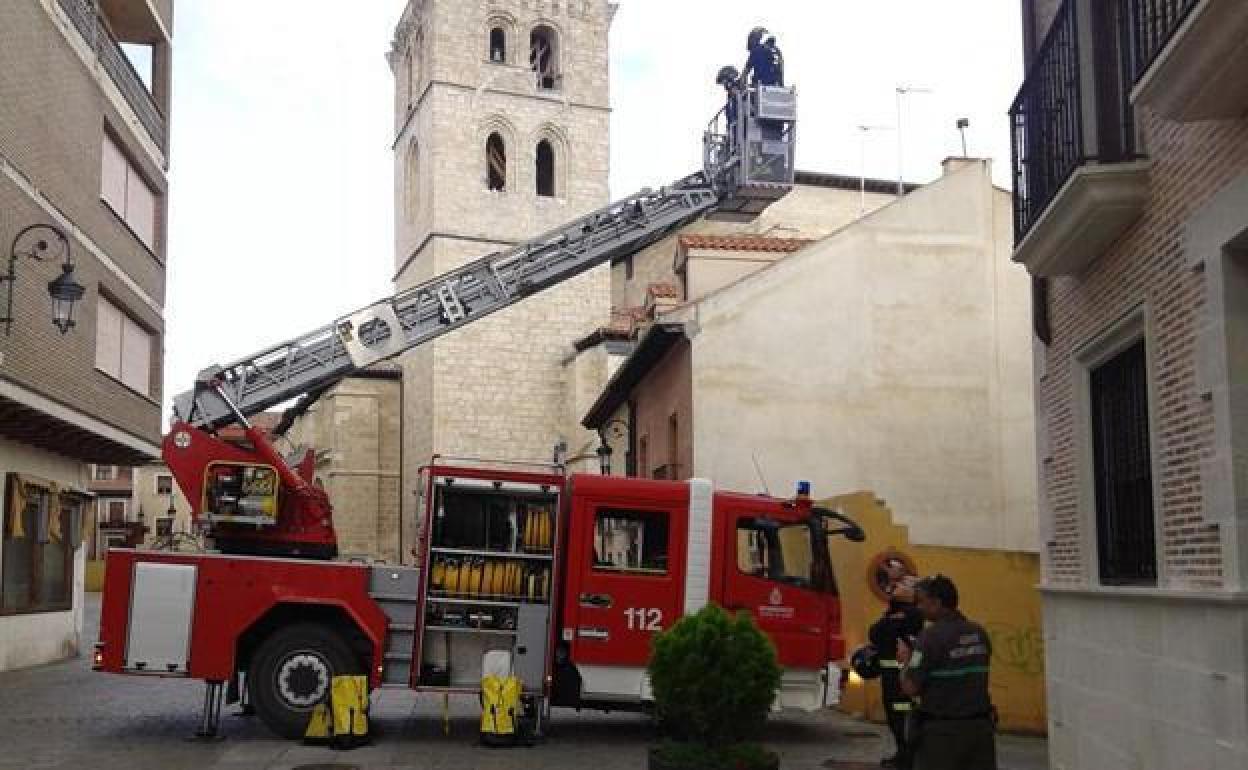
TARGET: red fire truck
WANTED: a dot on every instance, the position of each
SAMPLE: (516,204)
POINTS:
(571,575)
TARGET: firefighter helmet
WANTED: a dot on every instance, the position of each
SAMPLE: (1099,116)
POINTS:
(727,75)
(756,37)
(866,662)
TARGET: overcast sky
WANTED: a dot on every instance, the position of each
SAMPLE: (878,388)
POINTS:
(280,204)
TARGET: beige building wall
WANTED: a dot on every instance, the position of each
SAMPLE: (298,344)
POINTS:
(354,429)
(496,388)
(807,211)
(892,356)
(40,637)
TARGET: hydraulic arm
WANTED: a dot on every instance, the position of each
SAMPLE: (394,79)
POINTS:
(255,503)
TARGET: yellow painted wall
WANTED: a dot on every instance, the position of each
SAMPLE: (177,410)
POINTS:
(996,589)
(94,579)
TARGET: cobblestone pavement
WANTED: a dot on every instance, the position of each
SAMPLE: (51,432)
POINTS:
(65,716)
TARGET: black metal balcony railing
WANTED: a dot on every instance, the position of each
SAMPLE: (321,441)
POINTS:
(1056,127)
(669,472)
(1046,122)
(86,19)
(1152,25)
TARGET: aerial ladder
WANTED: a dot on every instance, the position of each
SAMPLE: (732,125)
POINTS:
(251,501)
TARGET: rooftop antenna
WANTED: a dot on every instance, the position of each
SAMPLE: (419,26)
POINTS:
(962,125)
(862,164)
(761,479)
(903,91)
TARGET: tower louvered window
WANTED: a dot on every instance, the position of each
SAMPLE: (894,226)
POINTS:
(496,163)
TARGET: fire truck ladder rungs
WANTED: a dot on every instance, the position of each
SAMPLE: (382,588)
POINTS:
(416,315)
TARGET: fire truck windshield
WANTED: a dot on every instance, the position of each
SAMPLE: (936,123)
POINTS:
(780,552)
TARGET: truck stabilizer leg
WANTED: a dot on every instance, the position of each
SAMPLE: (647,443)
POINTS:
(210,721)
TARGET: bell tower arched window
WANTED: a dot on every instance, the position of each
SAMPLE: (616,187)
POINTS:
(544,57)
(412,182)
(545,169)
(496,162)
(498,45)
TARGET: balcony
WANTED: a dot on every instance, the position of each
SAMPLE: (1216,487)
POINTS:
(1190,57)
(86,18)
(1079,182)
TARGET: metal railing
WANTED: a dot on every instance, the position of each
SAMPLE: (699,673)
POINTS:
(1046,122)
(84,15)
(669,472)
(1152,25)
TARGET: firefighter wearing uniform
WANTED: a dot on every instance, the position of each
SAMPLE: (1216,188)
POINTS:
(901,620)
(765,64)
(948,673)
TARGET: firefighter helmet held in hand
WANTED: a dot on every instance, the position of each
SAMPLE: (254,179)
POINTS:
(727,75)
(866,662)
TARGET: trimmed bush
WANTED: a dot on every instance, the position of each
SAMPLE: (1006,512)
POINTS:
(714,678)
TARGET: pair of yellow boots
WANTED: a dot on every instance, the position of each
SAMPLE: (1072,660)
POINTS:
(343,722)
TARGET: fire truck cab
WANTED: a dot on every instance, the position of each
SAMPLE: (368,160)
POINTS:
(571,576)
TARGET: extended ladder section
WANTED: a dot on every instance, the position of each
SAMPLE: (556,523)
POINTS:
(746,173)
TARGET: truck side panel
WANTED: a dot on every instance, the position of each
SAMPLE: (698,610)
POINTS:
(231,594)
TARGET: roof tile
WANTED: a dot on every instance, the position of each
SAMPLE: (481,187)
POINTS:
(743,243)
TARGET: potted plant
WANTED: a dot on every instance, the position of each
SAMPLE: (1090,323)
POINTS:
(714,678)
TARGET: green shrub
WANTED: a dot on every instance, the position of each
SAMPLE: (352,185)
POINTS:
(714,677)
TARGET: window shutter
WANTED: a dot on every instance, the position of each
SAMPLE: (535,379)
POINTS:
(108,338)
(141,209)
(113,177)
(136,357)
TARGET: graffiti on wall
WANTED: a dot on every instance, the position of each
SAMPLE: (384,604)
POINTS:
(1017,648)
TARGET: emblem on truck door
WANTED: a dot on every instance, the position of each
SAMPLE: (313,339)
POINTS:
(182,439)
(776,597)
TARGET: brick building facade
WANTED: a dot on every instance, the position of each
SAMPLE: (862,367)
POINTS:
(83,148)
(1131,213)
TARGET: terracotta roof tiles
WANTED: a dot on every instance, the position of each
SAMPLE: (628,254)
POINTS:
(743,243)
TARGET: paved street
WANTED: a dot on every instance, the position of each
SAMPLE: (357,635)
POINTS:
(64,715)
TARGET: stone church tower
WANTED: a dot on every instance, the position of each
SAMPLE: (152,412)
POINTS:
(501,132)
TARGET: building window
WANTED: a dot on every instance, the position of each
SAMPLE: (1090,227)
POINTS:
(628,268)
(544,57)
(123,188)
(39,538)
(164,527)
(630,541)
(123,348)
(409,78)
(545,169)
(498,45)
(103,473)
(116,512)
(673,439)
(164,485)
(411,187)
(1122,467)
(496,163)
(643,456)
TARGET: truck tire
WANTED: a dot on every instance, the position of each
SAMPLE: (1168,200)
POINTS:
(292,671)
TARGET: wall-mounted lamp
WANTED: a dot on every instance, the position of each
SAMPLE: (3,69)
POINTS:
(615,428)
(41,242)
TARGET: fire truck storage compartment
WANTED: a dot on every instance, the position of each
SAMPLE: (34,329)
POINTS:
(162,601)
(491,578)
(396,591)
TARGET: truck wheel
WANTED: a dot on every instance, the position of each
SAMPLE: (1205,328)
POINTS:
(292,671)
